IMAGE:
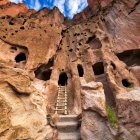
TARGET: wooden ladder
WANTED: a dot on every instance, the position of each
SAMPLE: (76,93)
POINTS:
(61,103)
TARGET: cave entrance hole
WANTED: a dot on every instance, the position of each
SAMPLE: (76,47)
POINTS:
(80,70)
(43,74)
(44,71)
(98,68)
(94,42)
(20,57)
(62,79)
(130,57)
(46,75)
(126,83)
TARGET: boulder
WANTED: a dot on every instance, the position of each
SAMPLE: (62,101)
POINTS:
(22,109)
(94,117)
(128,114)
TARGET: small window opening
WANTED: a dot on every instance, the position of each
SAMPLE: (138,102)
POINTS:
(11,23)
(3,17)
(80,44)
(90,39)
(62,79)
(94,42)
(98,68)
(44,71)
(113,65)
(43,75)
(46,75)
(70,50)
(14,48)
(80,70)
(20,57)
(22,28)
(126,83)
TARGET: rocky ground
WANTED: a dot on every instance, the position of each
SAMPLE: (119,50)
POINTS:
(96,55)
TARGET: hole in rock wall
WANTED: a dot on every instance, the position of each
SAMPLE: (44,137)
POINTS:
(130,57)
(20,57)
(70,50)
(110,99)
(94,42)
(3,17)
(43,74)
(46,75)
(14,48)
(100,76)
(44,71)
(90,39)
(11,23)
(22,28)
(98,68)
(62,79)
(113,65)
(80,70)
(126,83)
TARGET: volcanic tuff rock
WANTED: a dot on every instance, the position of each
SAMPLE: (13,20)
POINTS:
(94,122)
(40,51)
(12,9)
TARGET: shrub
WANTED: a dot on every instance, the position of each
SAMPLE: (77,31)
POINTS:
(112,118)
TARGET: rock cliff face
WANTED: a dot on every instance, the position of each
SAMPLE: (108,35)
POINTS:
(12,9)
(95,56)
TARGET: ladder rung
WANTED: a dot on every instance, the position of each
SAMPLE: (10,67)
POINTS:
(60,105)
(59,109)
(63,101)
(61,98)
(61,94)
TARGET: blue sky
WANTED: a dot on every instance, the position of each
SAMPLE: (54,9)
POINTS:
(67,7)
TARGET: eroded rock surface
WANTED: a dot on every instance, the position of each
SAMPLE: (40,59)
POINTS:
(40,51)
(129,112)
(94,121)
(23,109)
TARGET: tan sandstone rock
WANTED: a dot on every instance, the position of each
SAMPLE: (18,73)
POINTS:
(40,51)
(94,122)
(23,115)
(129,114)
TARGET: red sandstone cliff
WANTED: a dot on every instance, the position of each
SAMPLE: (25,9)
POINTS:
(3,2)
(13,9)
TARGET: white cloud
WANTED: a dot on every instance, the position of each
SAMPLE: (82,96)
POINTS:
(67,7)
(16,1)
(72,6)
(37,5)
(60,4)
